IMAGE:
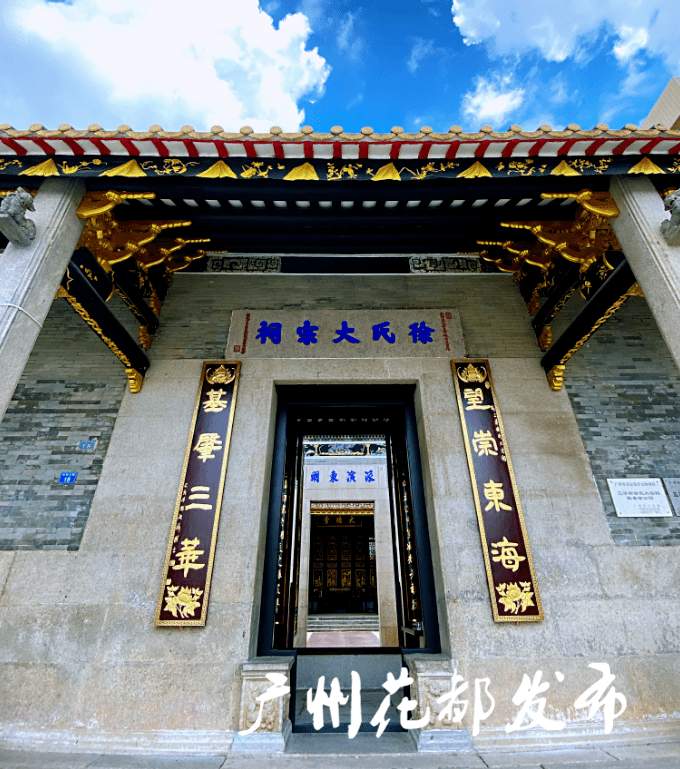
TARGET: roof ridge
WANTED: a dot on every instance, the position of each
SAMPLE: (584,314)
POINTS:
(336,134)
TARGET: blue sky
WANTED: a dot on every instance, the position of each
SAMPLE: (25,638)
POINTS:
(322,63)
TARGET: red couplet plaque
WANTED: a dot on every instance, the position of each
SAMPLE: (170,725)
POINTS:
(183,599)
(507,556)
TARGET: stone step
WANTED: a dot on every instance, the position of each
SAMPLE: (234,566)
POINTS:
(371,699)
(339,622)
(307,745)
(339,627)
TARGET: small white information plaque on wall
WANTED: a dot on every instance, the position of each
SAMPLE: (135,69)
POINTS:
(639,497)
(673,489)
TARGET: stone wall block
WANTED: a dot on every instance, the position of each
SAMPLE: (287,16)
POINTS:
(650,684)
(567,572)
(6,561)
(69,579)
(190,694)
(128,636)
(55,634)
(660,614)
(651,572)
(552,433)
(572,519)
(474,634)
(560,473)
(145,456)
(166,392)
(40,695)
(132,524)
(594,628)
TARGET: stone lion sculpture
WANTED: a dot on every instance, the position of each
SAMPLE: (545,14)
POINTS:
(671,227)
(18,228)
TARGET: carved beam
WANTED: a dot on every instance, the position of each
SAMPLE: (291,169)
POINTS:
(140,265)
(105,280)
(584,242)
(160,260)
(604,303)
(524,258)
(84,298)
(556,300)
(134,301)
(99,275)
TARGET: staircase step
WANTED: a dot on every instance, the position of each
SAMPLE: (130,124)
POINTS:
(306,745)
(371,700)
(342,622)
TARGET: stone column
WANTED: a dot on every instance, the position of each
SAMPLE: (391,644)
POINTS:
(275,726)
(431,674)
(656,264)
(30,276)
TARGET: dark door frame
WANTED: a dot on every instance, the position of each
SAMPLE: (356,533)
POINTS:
(292,397)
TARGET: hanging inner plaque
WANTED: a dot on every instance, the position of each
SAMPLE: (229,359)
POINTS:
(183,598)
(507,556)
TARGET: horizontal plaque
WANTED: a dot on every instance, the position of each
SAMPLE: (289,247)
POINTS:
(243,264)
(343,508)
(329,476)
(507,556)
(345,334)
(460,263)
(187,571)
(639,497)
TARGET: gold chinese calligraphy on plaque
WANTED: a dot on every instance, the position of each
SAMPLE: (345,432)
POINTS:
(507,556)
(187,572)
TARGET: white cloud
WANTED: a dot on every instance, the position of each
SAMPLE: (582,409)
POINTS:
(558,31)
(432,10)
(348,39)
(420,49)
(346,29)
(492,100)
(630,42)
(158,62)
(559,92)
(355,102)
(316,12)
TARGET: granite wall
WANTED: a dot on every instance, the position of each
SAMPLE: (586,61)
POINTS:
(81,664)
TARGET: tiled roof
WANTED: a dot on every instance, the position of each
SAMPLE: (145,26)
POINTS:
(306,144)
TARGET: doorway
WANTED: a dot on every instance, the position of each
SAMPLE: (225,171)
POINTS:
(346,595)
(342,596)
(338,431)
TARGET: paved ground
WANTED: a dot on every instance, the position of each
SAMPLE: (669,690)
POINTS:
(657,756)
(343,638)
